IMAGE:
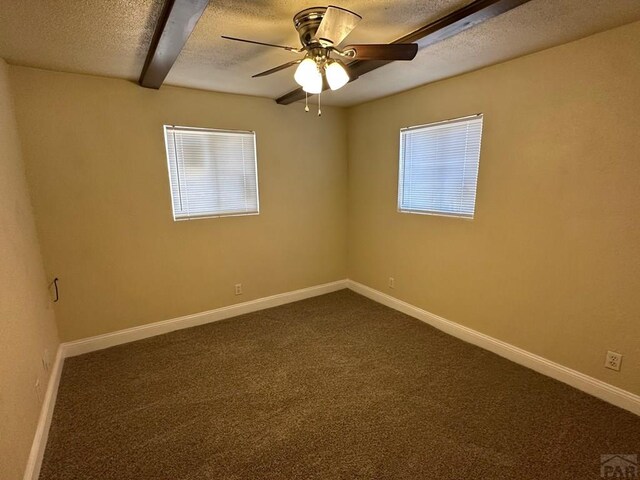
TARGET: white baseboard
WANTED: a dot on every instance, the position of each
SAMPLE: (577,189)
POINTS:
(590,385)
(32,472)
(99,342)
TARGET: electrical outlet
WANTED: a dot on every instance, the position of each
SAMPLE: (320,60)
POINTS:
(392,282)
(238,289)
(613,361)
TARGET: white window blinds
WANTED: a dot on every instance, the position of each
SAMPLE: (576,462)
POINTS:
(212,172)
(439,167)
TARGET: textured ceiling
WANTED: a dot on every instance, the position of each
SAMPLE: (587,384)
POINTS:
(111,37)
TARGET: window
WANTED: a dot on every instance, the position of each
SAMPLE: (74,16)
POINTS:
(439,167)
(212,172)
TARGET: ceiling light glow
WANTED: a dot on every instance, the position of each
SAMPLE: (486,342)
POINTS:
(307,73)
(314,83)
(337,75)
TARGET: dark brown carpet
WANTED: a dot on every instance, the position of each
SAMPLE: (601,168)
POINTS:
(335,387)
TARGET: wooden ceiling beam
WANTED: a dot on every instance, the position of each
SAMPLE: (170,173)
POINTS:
(449,25)
(175,24)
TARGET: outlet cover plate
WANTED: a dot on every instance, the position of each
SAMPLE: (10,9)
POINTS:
(613,361)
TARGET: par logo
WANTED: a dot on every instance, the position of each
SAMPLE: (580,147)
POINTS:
(619,466)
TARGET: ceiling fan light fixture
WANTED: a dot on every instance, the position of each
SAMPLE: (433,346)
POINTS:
(337,76)
(321,31)
(307,72)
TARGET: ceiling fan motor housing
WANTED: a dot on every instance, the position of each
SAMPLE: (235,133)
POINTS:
(307,22)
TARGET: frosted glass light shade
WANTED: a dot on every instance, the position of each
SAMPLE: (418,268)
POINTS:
(337,75)
(306,72)
(314,84)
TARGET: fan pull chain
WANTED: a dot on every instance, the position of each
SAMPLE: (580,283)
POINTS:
(306,102)
(319,110)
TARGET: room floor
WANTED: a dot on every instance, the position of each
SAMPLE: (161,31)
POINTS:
(332,387)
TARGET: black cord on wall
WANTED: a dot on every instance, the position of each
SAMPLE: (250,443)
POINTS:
(55,287)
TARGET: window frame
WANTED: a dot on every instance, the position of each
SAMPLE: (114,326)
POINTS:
(400,184)
(165,129)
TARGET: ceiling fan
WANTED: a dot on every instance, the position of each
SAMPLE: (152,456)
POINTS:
(321,31)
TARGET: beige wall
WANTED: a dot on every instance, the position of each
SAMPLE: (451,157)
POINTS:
(27,325)
(551,262)
(96,164)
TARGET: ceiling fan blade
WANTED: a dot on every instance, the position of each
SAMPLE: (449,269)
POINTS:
(336,24)
(284,47)
(277,69)
(383,51)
